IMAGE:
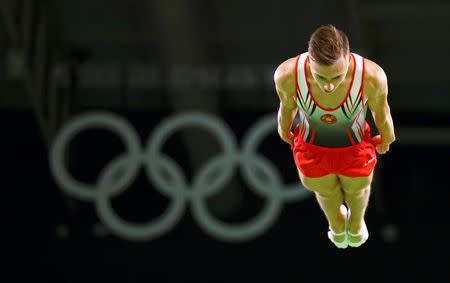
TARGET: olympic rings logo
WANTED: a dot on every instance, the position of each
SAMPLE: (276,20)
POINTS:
(168,177)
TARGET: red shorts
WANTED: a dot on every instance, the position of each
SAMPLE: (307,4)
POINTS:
(315,161)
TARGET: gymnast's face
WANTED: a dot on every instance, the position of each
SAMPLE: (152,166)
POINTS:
(328,78)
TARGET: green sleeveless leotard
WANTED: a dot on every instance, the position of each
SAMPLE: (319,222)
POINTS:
(332,127)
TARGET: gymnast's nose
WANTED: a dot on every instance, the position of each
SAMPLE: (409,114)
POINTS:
(328,87)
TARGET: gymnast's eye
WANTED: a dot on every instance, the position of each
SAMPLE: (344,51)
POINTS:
(320,77)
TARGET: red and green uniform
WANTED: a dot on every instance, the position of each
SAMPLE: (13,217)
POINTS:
(333,140)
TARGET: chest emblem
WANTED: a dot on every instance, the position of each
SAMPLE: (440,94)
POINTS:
(328,119)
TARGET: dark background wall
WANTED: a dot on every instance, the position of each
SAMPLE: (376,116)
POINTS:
(152,60)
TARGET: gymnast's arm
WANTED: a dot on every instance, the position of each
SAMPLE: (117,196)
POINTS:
(378,103)
(284,78)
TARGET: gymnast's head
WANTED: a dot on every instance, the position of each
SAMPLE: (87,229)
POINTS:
(329,57)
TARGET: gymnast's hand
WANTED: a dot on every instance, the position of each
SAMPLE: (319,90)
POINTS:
(381,146)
